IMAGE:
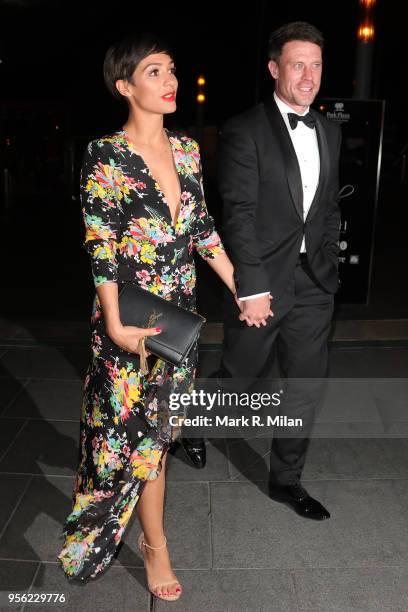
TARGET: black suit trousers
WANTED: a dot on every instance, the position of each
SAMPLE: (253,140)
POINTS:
(297,337)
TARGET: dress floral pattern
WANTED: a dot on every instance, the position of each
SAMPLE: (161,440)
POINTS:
(124,426)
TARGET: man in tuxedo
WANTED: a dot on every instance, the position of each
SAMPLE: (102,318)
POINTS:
(278,178)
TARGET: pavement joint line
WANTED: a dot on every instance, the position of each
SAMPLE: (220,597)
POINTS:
(302,568)
(24,491)
(342,345)
(238,440)
(295,592)
(26,560)
(43,378)
(333,343)
(45,419)
(43,345)
(117,565)
(38,378)
(210,524)
(19,392)
(2,455)
(360,479)
(251,465)
(43,474)
(317,480)
(120,566)
(229,462)
(202,482)
(32,583)
(221,481)
(287,569)
(212,481)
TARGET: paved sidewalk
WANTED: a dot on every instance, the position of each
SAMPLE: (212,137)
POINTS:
(232,548)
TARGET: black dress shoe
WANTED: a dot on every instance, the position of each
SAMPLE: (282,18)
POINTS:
(195,450)
(297,498)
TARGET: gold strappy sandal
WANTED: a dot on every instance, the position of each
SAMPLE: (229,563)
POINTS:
(152,588)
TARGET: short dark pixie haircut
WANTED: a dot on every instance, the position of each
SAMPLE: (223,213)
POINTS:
(122,58)
(296,30)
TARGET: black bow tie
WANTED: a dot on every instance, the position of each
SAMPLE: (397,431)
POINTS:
(307,119)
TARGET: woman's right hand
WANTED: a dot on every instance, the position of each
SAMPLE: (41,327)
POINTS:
(128,337)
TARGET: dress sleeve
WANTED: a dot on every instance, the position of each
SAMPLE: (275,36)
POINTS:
(206,239)
(100,208)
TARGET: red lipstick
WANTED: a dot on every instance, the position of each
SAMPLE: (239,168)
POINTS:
(169,97)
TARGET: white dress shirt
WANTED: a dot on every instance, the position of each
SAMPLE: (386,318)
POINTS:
(304,140)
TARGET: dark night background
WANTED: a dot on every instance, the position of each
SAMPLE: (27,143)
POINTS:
(52,97)
(232,547)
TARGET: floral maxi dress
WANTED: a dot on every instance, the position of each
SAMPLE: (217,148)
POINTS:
(124,425)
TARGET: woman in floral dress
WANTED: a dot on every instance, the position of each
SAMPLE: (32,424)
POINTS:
(145,214)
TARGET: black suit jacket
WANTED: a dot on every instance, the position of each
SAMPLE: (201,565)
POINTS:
(260,184)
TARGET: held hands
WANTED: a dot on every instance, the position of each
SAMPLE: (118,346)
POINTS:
(255,311)
(128,337)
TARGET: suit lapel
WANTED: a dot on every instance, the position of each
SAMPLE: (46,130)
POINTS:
(324,165)
(293,176)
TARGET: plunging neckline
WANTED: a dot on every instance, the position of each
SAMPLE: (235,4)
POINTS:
(159,188)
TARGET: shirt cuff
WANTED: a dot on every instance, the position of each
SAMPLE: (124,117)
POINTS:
(252,297)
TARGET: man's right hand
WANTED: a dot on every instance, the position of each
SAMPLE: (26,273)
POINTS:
(256,310)
(128,337)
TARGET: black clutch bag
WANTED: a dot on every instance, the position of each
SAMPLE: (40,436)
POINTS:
(180,327)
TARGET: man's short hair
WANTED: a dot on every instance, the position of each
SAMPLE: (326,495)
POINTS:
(122,58)
(296,30)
